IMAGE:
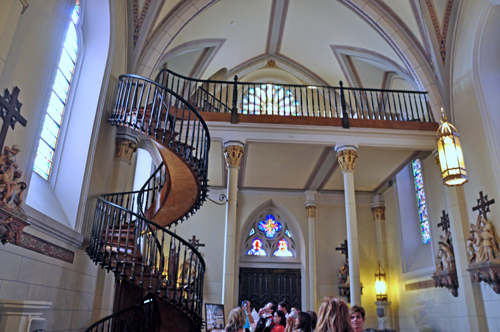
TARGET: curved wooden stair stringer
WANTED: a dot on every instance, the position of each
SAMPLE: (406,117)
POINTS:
(181,194)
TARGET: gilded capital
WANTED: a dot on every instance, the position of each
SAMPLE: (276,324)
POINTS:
(125,148)
(233,155)
(378,213)
(347,159)
(311,211)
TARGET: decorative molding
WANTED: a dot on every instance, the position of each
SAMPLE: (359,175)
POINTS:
(347,159)
(233,154)
(378,211)
(422,28)
(125,148)
(139,20)
(25,5)
(354,71)
(419,285)
(317,167)
(441,33)
(311,211)
(198,62)
(46,248)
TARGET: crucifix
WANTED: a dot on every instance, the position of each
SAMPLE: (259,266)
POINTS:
(10,112)
(196,242)
(483,205)
(343,250)
(445,222)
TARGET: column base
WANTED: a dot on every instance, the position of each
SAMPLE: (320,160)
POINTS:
(383,314)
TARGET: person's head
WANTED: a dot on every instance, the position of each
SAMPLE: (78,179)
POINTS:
(357,317)
(270,308)
(283,307)
(314,318)
(279,318)
(333,316)
(304,322)
(236,321)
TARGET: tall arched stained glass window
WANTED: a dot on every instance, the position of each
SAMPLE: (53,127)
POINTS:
(58,97)
(421,201)
(270,99)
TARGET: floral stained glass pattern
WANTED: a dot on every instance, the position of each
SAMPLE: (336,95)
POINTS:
(270,99)
(58,98)
(270,226)
(421,201)
(256,248)
(283,250)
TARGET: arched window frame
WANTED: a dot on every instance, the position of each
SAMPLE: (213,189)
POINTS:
(269,245)
(71,90)
(421,200)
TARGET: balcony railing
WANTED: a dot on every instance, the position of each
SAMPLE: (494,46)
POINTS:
(299,100)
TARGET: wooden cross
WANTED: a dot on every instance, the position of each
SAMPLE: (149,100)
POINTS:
(10,112)
(343,250)
(445,222)
(483,205)
(196,242)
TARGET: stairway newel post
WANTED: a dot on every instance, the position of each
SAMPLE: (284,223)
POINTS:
(234,109)
(345,116)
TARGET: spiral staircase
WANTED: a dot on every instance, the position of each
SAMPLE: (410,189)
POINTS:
(159,275)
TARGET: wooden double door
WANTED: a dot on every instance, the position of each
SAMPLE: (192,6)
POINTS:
(261,286)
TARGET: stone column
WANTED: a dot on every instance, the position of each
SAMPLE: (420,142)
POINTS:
(233,152)
(346,156)
(378,209)
(311,222)
(126,142)
(471,305)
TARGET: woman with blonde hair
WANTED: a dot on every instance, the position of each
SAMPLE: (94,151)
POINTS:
(333,316)
(236,321)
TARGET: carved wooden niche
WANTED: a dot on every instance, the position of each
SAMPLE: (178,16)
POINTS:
(482,246)
(446,270)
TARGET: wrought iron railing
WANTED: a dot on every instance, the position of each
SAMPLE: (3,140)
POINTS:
(141,251)
(164,115)
(299,100)
(142,317)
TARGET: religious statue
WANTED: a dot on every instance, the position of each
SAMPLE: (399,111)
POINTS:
(446,270)
(483,243)
(11,190)
(482,246)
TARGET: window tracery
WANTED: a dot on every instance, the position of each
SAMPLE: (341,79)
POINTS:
(270,99)
(270,236)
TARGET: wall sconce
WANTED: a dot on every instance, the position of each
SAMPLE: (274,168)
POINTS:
(380,285)
(451,158)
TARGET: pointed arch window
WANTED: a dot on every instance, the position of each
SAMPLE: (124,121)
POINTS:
(270,99)
(270,236)
(421,201)
(58,98)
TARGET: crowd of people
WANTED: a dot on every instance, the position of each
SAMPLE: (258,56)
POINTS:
(333,316)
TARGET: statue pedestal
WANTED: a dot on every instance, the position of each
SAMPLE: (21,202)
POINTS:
(12,222)
(488,272)
(383,314)
(448,279)
(21,316)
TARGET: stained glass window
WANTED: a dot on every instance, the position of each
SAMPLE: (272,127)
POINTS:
(283,249)
(252,232)
(256,248)
(421,201)
(287,232)
(270,99)
(58,98)
(270,226)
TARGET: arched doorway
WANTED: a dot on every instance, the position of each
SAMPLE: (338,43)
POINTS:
(270,258)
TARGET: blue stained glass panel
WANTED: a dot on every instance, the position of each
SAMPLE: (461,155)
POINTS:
(287,232)
(252,232)
(421,200)
(270,226)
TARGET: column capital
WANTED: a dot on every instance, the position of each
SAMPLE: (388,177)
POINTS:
(233,152)
(311,196)
(378,211)
(311,210)
(126,142)
(346,156)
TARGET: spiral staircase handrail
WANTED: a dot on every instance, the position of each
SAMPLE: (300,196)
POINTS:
(152,223)
(186,103)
